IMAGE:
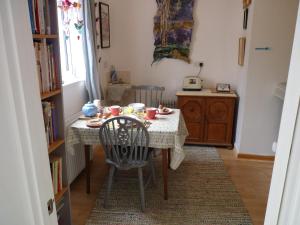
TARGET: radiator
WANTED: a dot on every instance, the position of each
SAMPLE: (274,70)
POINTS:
(76,162)
(170,103)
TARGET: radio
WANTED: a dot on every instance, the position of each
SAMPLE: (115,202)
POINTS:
(192,83)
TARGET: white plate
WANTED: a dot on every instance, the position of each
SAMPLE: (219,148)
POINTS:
(167,112)
(94,123)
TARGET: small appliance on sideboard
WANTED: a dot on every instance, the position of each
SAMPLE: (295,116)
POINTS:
(193,83)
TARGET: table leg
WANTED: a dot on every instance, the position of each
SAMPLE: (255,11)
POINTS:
(87,168)
(169,158)
(165,171)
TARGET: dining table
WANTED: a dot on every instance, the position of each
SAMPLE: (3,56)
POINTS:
(166,133)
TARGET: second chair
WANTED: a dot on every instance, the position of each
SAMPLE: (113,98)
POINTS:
(151,96)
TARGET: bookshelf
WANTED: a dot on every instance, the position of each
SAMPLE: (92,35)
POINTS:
(49,94)
(44,36)
(43,18)
(55,145)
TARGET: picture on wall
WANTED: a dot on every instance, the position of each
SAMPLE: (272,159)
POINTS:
(242,46)
(104,25)
(173,26)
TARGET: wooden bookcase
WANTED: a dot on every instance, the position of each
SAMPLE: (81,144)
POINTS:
(56,145)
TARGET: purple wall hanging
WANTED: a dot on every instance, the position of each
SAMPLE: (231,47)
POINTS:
(173,26)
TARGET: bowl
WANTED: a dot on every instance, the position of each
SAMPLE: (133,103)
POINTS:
(137,107)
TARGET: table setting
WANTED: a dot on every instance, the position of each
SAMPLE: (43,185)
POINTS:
(95,115)
(166,127)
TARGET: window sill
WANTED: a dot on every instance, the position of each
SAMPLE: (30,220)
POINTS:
(71,83)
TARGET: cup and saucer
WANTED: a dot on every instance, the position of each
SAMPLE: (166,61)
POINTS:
(151,113)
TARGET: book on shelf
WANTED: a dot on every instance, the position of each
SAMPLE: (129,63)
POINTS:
(56,173)
(46,67)
(50,121)
(39,14)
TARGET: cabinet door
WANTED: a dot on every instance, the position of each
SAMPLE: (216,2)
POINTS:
(193,112)
(219,120)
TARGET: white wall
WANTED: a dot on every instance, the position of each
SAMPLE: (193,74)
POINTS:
(260,111)
(215,42)
(75,96)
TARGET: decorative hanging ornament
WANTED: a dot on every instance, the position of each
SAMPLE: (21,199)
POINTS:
(70,14)
(76,5)
(79,25)
(66,5)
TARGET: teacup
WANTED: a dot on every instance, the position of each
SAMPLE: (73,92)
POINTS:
(115,110)
(151,113)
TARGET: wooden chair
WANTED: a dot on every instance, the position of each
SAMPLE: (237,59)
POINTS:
(125,141)
(151,96)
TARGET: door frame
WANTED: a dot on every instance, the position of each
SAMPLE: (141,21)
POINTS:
(23,99)
(285,140)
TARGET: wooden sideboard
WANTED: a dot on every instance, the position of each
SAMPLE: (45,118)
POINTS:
(209,116)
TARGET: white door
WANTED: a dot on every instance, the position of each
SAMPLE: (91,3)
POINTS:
(284,198)
(25,179)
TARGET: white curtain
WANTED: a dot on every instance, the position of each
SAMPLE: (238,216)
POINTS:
(92,74)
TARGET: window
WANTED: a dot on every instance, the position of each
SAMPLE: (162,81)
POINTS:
(70,23)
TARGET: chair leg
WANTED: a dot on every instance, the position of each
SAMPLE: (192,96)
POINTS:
(152,169)
(140,171)
(109,184)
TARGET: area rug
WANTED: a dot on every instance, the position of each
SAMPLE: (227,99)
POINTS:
(200,193)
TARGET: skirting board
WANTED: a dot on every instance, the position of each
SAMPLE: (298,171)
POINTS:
(253,157)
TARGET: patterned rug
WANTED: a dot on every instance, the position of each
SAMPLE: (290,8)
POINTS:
(200,192)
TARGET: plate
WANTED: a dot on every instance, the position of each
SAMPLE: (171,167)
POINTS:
(95,123)
(83,117)
(169,111)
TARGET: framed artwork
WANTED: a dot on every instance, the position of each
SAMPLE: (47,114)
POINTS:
(242,45)
(104,25)
(246,3)
(223,87)
(173,28)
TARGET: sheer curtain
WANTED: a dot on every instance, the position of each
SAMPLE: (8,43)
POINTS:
(92,74)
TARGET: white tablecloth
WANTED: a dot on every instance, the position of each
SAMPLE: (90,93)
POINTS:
(167,131)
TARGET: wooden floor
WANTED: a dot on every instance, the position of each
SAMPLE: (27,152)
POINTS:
(83,203)
(251,178)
